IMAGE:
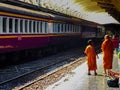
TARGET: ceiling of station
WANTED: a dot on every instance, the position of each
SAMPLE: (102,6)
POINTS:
(110,6)
(104,7)
(99,11)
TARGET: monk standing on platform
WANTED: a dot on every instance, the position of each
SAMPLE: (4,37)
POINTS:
(91,57)
(107,49)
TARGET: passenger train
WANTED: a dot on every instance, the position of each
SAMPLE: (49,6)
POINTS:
(27,32)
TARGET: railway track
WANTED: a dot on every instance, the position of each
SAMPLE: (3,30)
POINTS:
(50,74)
(27,79)
(32,74)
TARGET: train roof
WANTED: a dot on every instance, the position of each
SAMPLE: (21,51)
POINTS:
(24,11)
(38,13)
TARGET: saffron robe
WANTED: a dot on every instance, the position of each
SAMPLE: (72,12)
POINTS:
(107,49)
(91,57)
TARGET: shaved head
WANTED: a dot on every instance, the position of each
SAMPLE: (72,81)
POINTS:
(106,37)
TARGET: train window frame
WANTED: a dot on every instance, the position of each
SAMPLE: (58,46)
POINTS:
(16,25)
(61,28)
(46,27)
(34,27)
(10,25)
(68,28)
(32,31)
(21,25)
(37,27)
(58,28)
(43,27)
(55,27)
(4,25)
(30,26)
(1,24)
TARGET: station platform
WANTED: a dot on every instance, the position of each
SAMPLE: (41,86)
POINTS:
(79,80)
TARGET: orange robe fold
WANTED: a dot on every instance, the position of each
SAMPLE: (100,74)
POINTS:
(107,48)
(91,57)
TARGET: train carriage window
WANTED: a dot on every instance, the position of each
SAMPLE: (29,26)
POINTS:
(21,26)
(61,27)
(26,26)
(65,27)
(38,26)
(34,27)
(53,27)
(58,27)
(4,25)
(41,27)
(73,28)
(45,27)
(80,29)
(30,26)
(68,27)
(10,25)
(16,25)
(76,28)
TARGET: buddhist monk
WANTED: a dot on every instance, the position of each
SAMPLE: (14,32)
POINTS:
(107,49)
(91,57)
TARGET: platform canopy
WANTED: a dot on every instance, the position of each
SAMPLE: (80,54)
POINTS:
(100,11)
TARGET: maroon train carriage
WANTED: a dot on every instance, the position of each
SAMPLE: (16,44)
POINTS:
(25,32)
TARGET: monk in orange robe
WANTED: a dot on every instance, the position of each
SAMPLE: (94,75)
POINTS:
(107,49)
(91,57)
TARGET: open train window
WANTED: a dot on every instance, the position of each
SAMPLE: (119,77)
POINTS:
(21,26)
(58,27)
(38,29)
(45,27)
(30,26)
(10,25)
(65,27)
(26,26)
(16,25)
(61,27)
(41,27)
(4,24)
(53,27)
(33,26)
